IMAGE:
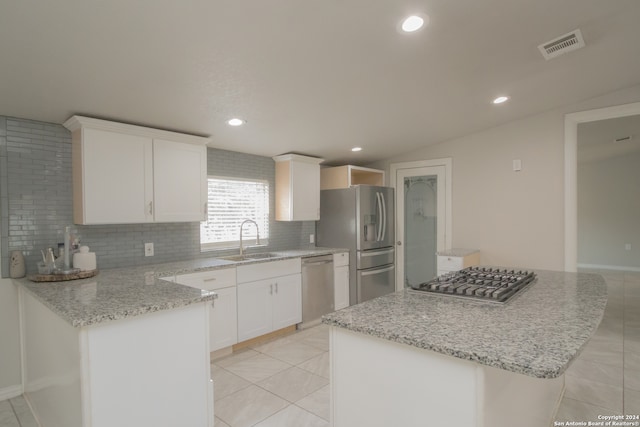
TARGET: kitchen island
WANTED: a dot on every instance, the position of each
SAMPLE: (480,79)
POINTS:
(416,359)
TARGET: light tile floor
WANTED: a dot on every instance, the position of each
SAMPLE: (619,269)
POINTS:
(285,382)
(605,378)
(16,413)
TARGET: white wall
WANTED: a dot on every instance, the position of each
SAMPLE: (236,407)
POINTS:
(10,377)
(609,211)
(514,218)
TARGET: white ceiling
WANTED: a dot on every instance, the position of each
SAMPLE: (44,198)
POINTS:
(314,77)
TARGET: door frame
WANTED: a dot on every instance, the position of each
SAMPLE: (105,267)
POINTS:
(571,122)
(447,163)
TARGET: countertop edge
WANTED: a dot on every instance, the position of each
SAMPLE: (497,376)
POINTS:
(494,363)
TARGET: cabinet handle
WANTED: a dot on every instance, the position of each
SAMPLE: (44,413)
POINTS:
(271,289)
(151,208)
(210,279)
(206,210)
(276,287)
(213,304)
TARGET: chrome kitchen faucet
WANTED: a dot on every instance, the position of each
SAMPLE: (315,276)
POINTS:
(257,234)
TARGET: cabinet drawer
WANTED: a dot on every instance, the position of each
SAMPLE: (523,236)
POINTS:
(209,280)
(341,259)
(450,263)
(267,270)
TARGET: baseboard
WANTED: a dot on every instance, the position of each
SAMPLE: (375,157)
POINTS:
(10,392)
(223,352)
(608,267)
(309,324)
(264,338)
(558,402)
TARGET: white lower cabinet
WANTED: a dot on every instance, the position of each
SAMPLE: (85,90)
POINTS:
(268,305)
(456,259)
(270,297)
(223,323)
(341,280)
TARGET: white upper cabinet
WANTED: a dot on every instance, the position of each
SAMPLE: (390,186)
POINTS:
(297,188)
(125,174)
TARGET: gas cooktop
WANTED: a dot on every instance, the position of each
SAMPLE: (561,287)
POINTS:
(479,283)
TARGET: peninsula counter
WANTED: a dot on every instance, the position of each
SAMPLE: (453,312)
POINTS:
(123,348)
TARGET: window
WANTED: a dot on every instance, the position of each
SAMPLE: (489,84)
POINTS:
(231,201)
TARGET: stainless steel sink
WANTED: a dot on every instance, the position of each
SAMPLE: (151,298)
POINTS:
(246,257)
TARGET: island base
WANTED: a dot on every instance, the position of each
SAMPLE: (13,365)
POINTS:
(376,382)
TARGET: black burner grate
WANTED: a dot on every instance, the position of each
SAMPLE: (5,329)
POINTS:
(484,283)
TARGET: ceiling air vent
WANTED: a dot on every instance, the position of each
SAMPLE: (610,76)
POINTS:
(561,45)
(624,139)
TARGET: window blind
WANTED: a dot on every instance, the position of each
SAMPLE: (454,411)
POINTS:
(231,201)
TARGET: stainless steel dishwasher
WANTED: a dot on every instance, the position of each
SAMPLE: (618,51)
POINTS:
(317,287)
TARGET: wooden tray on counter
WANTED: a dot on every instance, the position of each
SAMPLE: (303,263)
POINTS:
(62,277)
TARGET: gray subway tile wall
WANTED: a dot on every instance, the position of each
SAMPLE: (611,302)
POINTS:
(36,203)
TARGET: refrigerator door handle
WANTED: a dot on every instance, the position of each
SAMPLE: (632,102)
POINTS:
(371,272)
(370,253)
(379,221)
(384,218)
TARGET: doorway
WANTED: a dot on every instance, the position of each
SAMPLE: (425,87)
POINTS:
(423,218)
(571,123)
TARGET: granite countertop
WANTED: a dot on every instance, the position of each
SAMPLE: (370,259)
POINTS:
(119,293)
(537,333)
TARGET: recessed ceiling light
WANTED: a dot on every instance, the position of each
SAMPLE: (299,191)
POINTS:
(356,149)
(500,99)
(235,122)
(413,23)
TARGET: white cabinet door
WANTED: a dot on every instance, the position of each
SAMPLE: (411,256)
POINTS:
(223,328)
(113,178)
(287,301)
(305,183)
(297,188)
(180,181)
(341,286)
(254,309)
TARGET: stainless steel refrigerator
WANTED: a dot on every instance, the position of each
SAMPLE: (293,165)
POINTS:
(360,218)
